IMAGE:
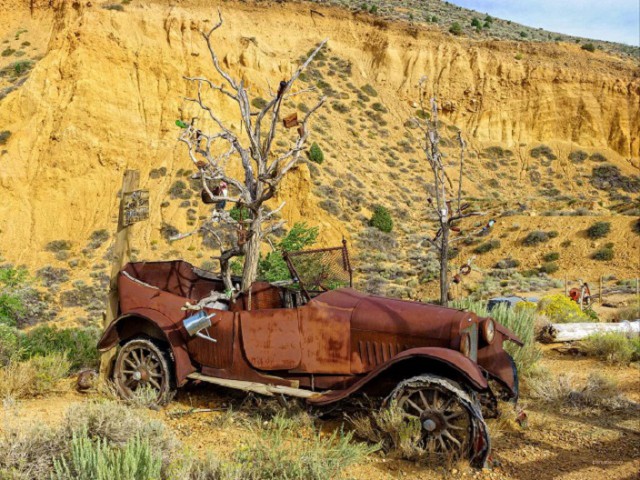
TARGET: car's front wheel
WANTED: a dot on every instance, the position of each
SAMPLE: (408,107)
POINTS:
(451,423)
(142,367)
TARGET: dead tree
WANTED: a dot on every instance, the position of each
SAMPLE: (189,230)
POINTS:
(448,206)
(251,147)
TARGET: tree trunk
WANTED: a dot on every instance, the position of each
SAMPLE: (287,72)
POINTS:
(444,266)
(252,255)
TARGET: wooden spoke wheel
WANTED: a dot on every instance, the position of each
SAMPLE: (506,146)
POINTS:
(451,423)
(141,363)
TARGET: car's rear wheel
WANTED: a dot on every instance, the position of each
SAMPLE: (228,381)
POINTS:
(452,426)
(142,367)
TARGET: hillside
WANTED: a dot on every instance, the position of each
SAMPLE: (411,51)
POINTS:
(91,89)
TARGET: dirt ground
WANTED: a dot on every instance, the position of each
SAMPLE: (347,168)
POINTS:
(556,444)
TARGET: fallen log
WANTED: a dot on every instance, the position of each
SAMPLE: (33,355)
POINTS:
(569,332)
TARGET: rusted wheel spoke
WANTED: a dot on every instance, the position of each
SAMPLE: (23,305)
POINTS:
(154,382)
(446,434)
(424,399)
(416,407)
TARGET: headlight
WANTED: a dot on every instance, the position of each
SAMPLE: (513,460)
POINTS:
(488,330)
(465,345)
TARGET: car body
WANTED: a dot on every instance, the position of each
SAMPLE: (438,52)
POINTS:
(272,340)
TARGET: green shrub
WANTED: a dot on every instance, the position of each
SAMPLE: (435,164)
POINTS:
(455,29)
(114,6)
(535,238)
(559,308)
(239,213)
(369,90)
(90,460)
(58,245)
(78,344)
(487,246)
(603,254)
(543,151)
(613,347)
(379,107)
(597,157)
(259,103)
(636,227)
(8,344)
(315,153)
(578,156)
(506,263)
(608,177)
(97,238)
(549,267)
(599,230)
(381,219)
(284,450)
(4,137)
(476,23)
(521,322)
(551,257)
(589,47)
(373,9)
(7,52)
(273,267)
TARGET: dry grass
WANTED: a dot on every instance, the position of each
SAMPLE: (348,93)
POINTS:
(597,392)
(33,377)
(612,347)
(390,429)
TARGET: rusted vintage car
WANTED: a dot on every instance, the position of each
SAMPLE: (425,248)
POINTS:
(434,363)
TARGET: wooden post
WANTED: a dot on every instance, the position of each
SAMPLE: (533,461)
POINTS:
(600,291)
(121,253)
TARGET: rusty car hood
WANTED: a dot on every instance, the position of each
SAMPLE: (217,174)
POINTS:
(387,315)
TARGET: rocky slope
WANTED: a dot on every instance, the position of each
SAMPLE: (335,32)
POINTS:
(103,85)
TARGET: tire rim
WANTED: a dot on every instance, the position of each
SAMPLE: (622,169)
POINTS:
(140,367)
(446,424)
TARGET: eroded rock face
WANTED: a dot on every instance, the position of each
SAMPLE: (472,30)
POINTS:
(109,86)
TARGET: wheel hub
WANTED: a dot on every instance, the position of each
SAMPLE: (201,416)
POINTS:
(432,421)
(429,425)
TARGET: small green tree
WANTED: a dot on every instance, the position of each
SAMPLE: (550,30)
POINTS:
(273,267)
(589,47)
(315,153)
(381,219)
(455,29)
(476,23)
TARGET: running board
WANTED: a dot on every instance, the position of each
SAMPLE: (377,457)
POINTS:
(263,389)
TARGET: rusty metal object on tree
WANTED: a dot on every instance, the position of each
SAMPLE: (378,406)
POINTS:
(301,130)
(243,236)
(291,120)
(201,164)
(326,344)
(206,197)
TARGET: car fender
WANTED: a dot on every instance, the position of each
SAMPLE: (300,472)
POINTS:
(156,325)
(426,359)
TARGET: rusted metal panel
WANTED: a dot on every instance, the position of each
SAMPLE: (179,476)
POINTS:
(219,355)
(393,316)
(467,368)
(271,338)
(326,339)
(496,361)
(370,349)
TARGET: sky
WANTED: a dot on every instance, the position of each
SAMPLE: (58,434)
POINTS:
(613,20)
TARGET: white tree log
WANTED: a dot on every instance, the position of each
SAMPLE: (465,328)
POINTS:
(569,332)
